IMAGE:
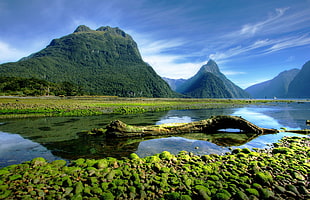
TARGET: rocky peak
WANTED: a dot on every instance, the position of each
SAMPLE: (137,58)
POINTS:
(82,28)
(212,67)
(114,31)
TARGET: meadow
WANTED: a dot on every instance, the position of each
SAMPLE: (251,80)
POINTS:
(98,105)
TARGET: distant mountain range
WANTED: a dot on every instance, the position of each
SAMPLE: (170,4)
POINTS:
(276,87)
(105,61)
(293,83)
(209,82)
(174,83)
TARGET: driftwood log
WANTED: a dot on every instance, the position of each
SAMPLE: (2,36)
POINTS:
(212,125)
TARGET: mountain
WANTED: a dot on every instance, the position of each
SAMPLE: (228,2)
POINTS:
(105,61)
(174,83)
(209,82)
(276,87)
(300,85)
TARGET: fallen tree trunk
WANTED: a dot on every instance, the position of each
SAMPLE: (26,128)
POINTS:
(212,125)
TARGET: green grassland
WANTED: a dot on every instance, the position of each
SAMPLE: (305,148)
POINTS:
(98,105)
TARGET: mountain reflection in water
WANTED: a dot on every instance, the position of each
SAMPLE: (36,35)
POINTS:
(55,138)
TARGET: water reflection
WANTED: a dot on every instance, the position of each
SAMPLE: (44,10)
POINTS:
(56,137)
(258,118)
(263,116)
(15,149)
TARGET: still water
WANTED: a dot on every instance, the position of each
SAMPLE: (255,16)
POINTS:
(58,137)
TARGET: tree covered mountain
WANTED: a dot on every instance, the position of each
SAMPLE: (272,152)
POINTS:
(36,87)
(209,82)
(105,61)
(276,87)
(300,85)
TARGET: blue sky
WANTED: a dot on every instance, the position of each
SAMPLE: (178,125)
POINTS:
(251,40)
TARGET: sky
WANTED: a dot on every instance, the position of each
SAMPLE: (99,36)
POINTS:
(250,40)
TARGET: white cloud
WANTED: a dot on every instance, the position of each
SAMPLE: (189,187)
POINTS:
(289,42)
(166,64)
(251,29)
(9,53)
(231,73)
(251,39)
(261,47)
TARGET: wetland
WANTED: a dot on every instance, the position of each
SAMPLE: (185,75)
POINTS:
(55,137)
(50,153)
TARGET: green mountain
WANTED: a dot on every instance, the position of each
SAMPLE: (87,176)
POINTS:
(209,82)
(105,61)
(300,85)
(276,87)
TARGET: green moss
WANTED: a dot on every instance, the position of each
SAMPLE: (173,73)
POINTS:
(246,150)
(241,195)
(38,161)
(222,196)
(185,197)
(15,177)
(264,178)
(102,163)
(282,150)
(172,196)
(3,172)
(252,191)
(170,177)
(152,159)
(133,156)
(79,162)
(107,196)
(58,163)
(266,193)
(166,155)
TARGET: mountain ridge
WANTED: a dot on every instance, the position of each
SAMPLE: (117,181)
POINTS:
(276,87)
(292,83)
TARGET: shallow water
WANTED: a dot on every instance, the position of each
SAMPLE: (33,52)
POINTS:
(57,138)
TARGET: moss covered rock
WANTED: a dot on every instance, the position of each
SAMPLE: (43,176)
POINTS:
(264,174)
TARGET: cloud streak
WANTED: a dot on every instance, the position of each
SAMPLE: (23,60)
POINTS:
(166,64)
(251,29)
(250,40)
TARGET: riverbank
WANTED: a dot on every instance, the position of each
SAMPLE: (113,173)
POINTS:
(11,107)
(281,172)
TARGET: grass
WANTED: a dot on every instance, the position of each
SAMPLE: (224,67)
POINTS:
(98,105)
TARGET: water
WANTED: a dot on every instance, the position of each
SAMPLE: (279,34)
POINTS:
(57,137)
